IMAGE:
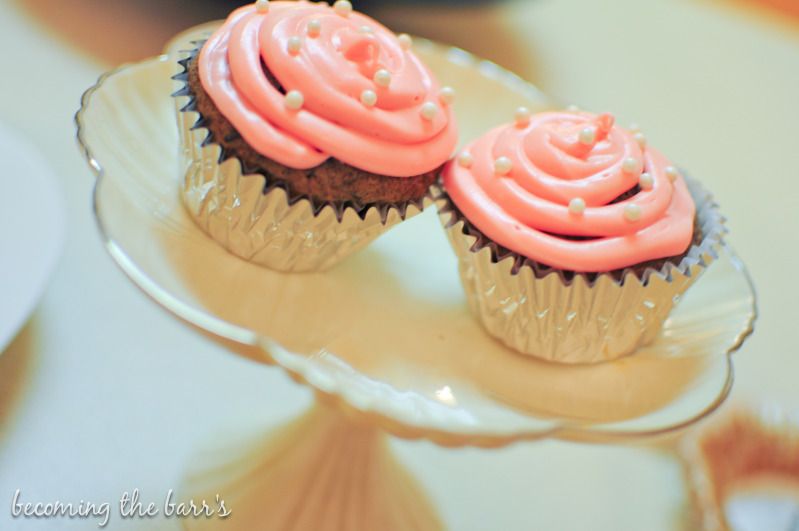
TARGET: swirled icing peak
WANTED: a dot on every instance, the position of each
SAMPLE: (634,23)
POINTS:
(574,191)
(348,88)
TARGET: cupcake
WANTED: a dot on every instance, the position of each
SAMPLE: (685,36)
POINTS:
(743,470)
(575,238)
(307,131)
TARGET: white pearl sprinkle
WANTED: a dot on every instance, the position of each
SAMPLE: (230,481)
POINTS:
(588,136)
(522,116)
(577,205)
(447,95)
(369,98)
(429,111)
(294,100)
(365,29)
(634,127)
(630,165)
(382,77)
(572,108)
(503,166)
(343,8)
(314,27)
(640,139)
(405,41)
(632,212)
(672,173)
(294,45)
(262,6)
(646,182)
(465,159)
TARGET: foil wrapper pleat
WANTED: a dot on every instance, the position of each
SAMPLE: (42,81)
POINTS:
(574,318)
(258,220)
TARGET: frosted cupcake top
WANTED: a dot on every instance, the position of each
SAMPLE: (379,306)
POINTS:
(350,89)
(535,185)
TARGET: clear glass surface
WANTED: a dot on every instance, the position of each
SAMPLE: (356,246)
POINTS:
(387,335)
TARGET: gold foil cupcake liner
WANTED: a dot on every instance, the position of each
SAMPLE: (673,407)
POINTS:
(747,451)
(260,221)
(574,318)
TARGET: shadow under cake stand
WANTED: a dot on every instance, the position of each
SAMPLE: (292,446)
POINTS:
(385,339)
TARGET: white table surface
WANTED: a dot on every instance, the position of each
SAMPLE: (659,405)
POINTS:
(103,392)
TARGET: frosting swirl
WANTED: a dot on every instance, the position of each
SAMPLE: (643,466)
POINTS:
(351,90)
(534,186)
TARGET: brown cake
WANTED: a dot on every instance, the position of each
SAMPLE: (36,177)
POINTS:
(328,115)
(499,253)
(575,238)
(331,182)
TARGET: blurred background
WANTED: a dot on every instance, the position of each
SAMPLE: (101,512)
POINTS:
(90,406)
(498,30)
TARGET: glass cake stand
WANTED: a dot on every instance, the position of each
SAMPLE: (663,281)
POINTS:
(385,339)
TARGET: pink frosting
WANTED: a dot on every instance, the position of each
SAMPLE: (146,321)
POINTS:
(527,210)
(331,70)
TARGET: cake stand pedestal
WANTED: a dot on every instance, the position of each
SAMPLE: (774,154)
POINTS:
(322,471)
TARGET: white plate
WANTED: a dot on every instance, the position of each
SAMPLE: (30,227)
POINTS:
(31,231)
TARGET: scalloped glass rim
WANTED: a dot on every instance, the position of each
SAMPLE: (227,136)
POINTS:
(352,398)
